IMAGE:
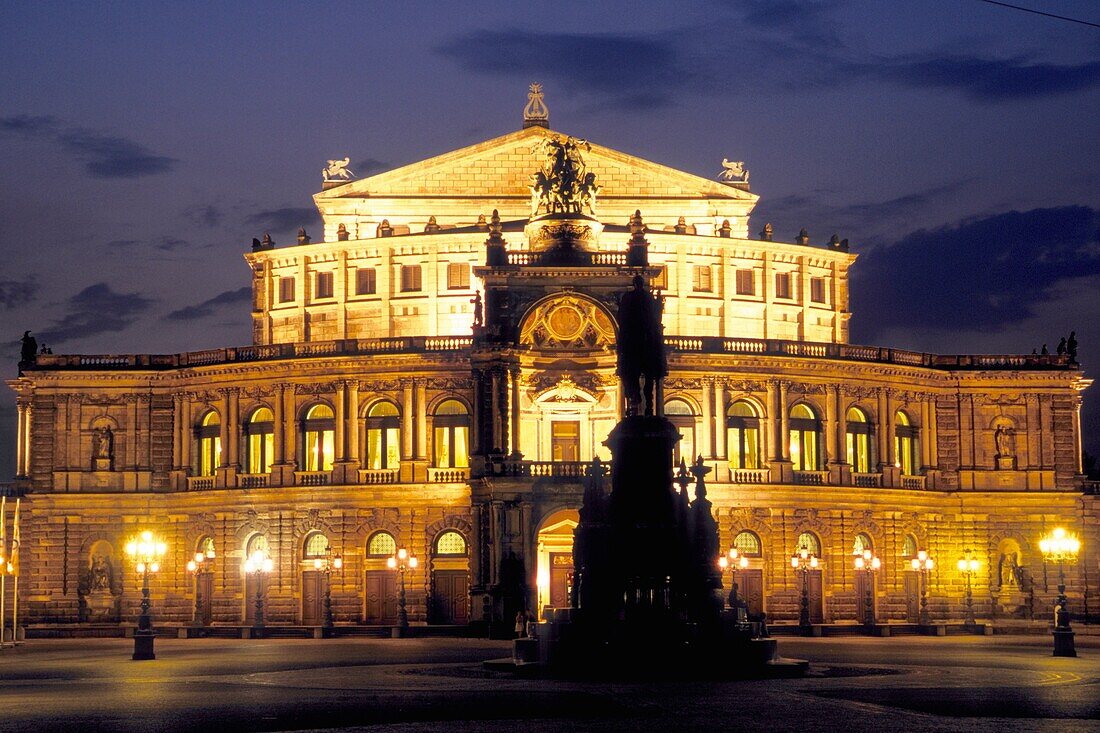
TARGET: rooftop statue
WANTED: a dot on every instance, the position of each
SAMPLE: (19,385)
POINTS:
(536,113)
(337,169)
(563,184)
(734,170)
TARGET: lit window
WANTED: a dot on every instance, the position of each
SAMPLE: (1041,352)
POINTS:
(817,289)
(805,439)
(458,276)
(286,290)
(316,545)
(660,280)
(208,437)
(810,542)
(746,282)
(861,544)
(451,435)
(909,546)
(747,543)
(783,285)
(410,278)
(318,430)
(858,433)
(365,281)
(256,543)
(905,444)
(700,279)
(450,543)
(260,440)
(324,285)
(383,436)
(743,435)
(381,544)
(680,415)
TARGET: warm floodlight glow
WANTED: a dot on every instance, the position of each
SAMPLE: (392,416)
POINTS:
(391,562)
(413,562)
(337,562)
(723,562)
(191,566)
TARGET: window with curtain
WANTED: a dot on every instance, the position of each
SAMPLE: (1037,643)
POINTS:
(286,289)
(458,276)
(366,282)
(746,282)
(318,438)
(324,285)
(805,439)
(259,435)
(208,441)
(743,435)
(410,278)
(858,432)
(700,281)
(905,444)
(383,436)
(451,434)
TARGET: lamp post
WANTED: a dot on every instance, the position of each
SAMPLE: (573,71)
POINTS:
(735,561)
(1061,547)
(198,567)
(402,562)
(258,565)
(804,561)
(922,563)
(146,551)
(968,565)
(867,563)
(326,565)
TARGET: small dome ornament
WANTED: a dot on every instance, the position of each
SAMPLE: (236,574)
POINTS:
(536,113)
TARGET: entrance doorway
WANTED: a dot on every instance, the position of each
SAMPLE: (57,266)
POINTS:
(312,598)
(912,596)
(381,606)
(561,579)
(554,576)
(450,597)
(205,585)
(864,582)
(813,592)
(750,587)
(565,441)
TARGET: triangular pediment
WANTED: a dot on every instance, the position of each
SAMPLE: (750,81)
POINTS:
(503,166)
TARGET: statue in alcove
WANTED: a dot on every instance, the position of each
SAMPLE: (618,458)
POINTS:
(103,448)
(99,588)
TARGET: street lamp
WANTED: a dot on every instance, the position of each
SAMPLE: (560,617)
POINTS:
(146,551)
(735,561)
(867,563)
(402,562)
(1061,547)
(968,565)
(326,565)
(258,565)
(922,563)
(804,561)
(198,567)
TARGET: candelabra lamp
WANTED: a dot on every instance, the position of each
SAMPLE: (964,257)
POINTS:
(868,564)
(803,561)
(146,551)
(968,565)
(1061,547)
(923,563)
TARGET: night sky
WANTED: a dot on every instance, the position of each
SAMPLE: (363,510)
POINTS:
(954,142)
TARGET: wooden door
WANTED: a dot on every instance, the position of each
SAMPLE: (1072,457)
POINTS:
(863,580)
(205,583)
(381,597)
(252,583)
(750,588)
(912,596)
(565,440)
(312,598)
(817,609)
(561,579)
(450,597)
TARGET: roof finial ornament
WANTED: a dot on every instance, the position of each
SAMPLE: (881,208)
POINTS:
(536,114)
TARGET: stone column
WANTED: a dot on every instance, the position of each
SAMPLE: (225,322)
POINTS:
(720,420)
(278,428)
(882,432)
(353,422)
(28,418)
(339,433)
(234,427)
(223,428)
(408,424)
(21,447)
(421,419)
(290,434)
(177,432)
(497,440)
(1078,468)
(772,450)
(783,449)
(841,455)
(925,433)
(514,379)
(933,430)
(187,435)
(888,425)
(706,449)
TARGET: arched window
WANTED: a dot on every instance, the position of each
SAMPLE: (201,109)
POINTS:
(859,432)
(861,543)
(381,544)
(743,435)
(805,439)
(383,436)
(450,542)
(316,545)
(909,546)
(452,435)
(256,543)
(810,542)
(206,547)
(209,443)
(747,543)
(318,431)
(905,444)
(259,434)
(680,415)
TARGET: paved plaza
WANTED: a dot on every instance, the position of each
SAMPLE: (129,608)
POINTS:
(895,684)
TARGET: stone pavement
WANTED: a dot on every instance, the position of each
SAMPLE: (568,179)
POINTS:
(909,684)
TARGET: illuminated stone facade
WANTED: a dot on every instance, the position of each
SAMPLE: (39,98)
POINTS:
(370,407)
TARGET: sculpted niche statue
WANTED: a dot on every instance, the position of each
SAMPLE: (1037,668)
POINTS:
(564,184)
(99,575)
(640,346)
(337,169)
(1005,442)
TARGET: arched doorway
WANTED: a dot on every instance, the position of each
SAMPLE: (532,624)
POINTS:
(554,577)
(450,598)
(864,581)
(255,589)
(314,547)
(380,601)
(809,542)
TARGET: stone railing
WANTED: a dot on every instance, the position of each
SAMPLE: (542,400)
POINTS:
(912,482)
(252,480)
(811,478)
(200,483)
(1090,486)
(749,476)
(571,471)
(571,258)
(312,478)
(371,476)
(448,475)
(867,480)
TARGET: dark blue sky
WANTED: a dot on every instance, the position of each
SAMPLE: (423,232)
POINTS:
(955,143)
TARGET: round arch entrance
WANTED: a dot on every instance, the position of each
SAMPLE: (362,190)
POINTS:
(555,560)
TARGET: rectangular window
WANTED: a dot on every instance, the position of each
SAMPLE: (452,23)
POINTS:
(817,289)
(565,441)
(783,285)
(458,276)
(660,280)
(286,290)
(746,282)
(701,279)
(410,278)
(324,285)
(366,282)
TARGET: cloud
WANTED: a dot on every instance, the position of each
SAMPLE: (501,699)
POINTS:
(208,307)
(164,244)
(986,273)
(204,215)
(286,218)
(14,293)
(623,69)
(370,166)
(103,156)
(94,310)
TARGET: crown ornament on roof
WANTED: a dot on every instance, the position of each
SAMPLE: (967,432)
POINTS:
(536,114)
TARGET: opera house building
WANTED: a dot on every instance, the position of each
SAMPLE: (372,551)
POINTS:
(433,376)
